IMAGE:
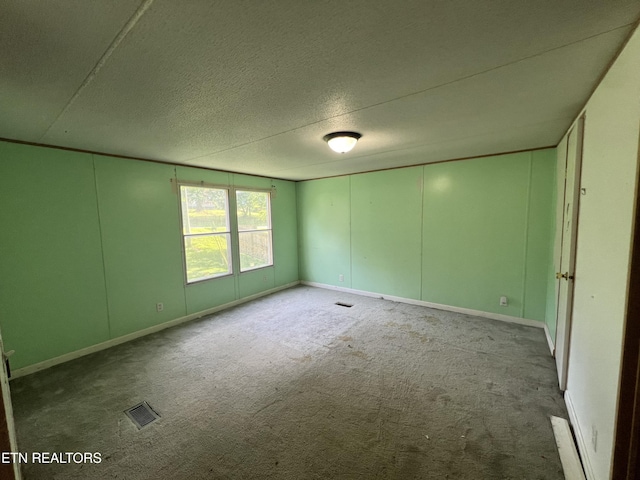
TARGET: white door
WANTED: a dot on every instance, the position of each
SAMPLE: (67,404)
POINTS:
(565,277)
(7,428)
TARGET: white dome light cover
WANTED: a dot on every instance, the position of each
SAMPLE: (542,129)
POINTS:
(342,142)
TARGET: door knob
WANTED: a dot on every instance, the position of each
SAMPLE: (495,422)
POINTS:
(565,275)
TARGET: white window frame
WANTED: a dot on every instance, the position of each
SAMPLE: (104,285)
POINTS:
(228,232)
(270,229)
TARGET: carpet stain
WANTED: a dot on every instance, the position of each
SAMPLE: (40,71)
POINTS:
(433,394)
(360,354)
(420,336)
(406,327)
(345,338)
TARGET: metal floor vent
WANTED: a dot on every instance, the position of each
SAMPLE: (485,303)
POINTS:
(348,305)
(141,415)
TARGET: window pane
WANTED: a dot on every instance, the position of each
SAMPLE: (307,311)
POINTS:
(204,210)
(255,250)
(207,256)
(253,210)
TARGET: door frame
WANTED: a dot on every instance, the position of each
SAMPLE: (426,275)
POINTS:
(8,441)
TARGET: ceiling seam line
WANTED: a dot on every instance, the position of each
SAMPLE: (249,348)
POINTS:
(425,164)
(124,31)
(422,145)
(435,87)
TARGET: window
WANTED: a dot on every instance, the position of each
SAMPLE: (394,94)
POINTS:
(206,232)
(254,229)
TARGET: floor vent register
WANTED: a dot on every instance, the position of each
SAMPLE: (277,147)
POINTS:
(142,415)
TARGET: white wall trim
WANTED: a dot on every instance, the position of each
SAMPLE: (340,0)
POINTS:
(580,438)
(438,306)
(567,449)
(36,367)
(547,334)
(8,410)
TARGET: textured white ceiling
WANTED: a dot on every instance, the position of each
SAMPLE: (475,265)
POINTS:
(252,86)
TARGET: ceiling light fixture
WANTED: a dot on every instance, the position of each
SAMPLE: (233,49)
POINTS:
(342,142)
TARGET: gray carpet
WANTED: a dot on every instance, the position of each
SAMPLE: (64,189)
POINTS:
(292,386)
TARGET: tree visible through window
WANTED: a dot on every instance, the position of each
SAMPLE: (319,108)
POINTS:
(206,232)
(254,229)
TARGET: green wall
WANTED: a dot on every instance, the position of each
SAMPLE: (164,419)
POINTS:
(89,244)
(324,230)
(458,233)
(52,286)
(139,219)
(385,231)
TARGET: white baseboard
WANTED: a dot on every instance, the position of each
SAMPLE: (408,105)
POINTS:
(552,347)
(438,306)
(36,367)
(580,438)
(567,449)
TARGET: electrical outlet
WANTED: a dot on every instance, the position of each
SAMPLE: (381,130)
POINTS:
(504,301)
(594,438)
(159,307)
(341,278)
